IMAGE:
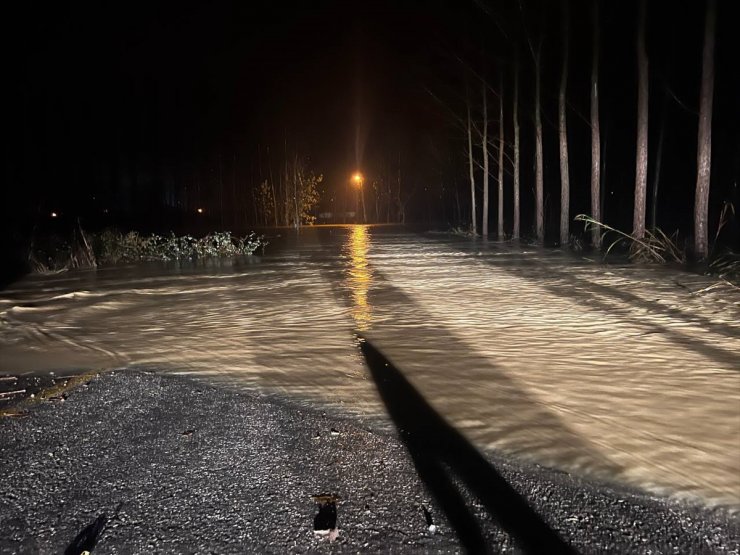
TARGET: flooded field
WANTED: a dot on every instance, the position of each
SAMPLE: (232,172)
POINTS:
(624,373)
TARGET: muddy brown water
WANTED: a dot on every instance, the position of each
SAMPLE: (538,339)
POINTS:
(613,371)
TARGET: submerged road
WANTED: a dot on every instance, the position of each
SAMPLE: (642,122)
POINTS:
(624,374)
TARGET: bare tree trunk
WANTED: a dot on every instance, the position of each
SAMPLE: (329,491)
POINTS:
(243,186)
(362,196)
(472,175)
(389,193)
(602,185)
(284,195)
(595,132)
(221,191)
(515,233)
(377,203)
(401,205)
(539,181)
(458,211)
(638,225)
(484,227)
(296,199)
(233,192)
(286,184)
(500,223)
(704,148)
(272,185)
(563,134)
(656,177)
(254,203)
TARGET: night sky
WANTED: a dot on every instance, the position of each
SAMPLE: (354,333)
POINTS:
(117,108)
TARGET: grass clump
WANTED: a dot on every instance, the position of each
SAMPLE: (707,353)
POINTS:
(55,254)
(726,266)
(656,246)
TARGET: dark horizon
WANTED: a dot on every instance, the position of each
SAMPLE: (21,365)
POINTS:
(134,115)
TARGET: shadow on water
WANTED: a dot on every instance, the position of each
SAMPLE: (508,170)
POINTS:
(542,270)
(441,453)
(597,296)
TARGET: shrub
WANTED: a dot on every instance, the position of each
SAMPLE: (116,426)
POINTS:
(112,247)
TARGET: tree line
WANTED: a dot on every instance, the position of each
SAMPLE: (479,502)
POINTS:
(492,94)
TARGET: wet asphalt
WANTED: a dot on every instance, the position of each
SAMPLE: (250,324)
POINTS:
(136,461)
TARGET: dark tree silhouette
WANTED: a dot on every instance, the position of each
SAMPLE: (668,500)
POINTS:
(704,147)
(515,116)
(500,222)
(595,130)
(638,220)
(563,134)
(484,225)
(473,223)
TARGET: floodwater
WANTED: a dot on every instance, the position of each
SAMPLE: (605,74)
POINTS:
(616,372)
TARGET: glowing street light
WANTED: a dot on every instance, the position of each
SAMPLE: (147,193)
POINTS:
(53,214)
(358,179)
(199,210)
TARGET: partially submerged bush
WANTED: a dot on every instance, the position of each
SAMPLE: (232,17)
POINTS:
(462,231)
(656,246)
(111,247)
(57,255)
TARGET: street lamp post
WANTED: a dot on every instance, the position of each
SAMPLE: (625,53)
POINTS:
(358,180)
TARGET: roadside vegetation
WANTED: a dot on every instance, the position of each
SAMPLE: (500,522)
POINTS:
(90,250)
(656,246)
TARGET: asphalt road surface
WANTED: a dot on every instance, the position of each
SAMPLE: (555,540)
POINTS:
(137,461)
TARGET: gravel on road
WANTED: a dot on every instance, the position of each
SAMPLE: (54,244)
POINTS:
(177,464)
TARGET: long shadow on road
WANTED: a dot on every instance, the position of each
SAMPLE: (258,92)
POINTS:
(440,452)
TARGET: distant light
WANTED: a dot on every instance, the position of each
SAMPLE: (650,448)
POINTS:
(357,178)
(53,214)
(200,210)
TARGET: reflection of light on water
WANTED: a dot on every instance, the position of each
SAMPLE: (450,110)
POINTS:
(360,276)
